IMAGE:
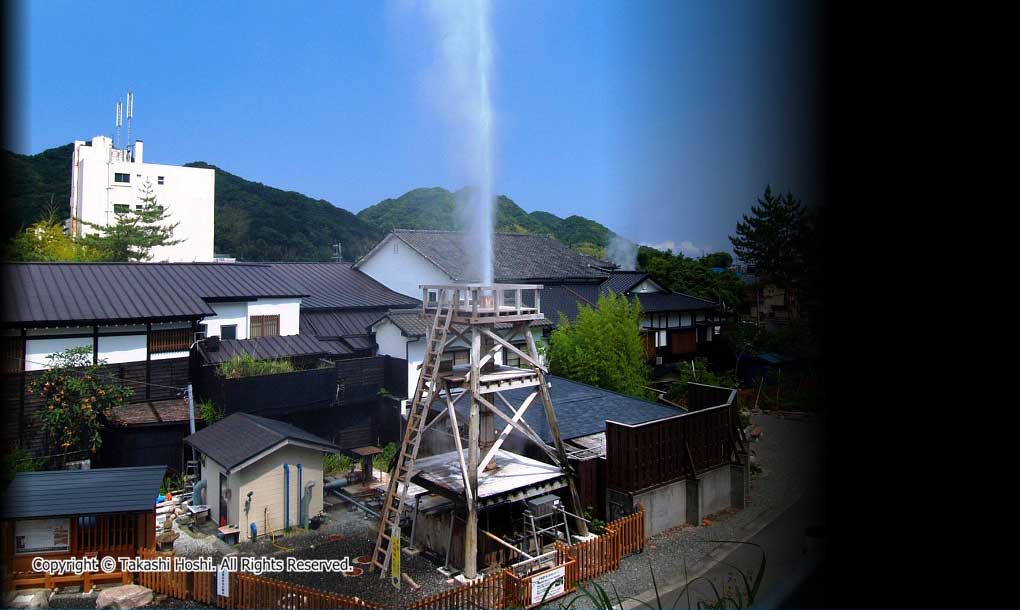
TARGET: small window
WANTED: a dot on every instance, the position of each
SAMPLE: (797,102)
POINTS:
(159,179)
(122,178)
(512,359)
(228,331)
(121,208)
(264,326)
(660,338)
(138,207)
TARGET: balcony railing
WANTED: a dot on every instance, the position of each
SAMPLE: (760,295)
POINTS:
(475,303)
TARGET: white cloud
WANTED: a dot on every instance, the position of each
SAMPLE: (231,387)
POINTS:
(662,245)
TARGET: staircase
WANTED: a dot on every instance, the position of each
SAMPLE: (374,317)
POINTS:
(400,478)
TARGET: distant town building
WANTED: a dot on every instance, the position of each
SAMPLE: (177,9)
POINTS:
(108,181)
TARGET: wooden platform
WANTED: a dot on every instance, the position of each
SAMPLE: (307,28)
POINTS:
(517,477)
(501,378)
(484,304)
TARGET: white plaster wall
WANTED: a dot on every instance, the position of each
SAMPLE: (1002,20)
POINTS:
(128,348)
(289,311)
(400,268)
(37,350)
(389,339)
(415,356)
(228,313)
(647,286)
(187,193)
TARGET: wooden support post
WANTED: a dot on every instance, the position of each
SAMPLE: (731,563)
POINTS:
(471,527)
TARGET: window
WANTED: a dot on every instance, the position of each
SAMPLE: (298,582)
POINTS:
(159,179)
(138,207)
(264,326)
(121,208)
(512,359)
(122,178)
(228,331)
(457,357)
(660,338)
(170,340)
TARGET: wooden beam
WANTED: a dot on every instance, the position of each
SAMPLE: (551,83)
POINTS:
(471,528)
(506,431)
(521,425)
(500,340)
(452,413)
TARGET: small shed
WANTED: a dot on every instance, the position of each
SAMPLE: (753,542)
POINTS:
(260,475)
(76,513)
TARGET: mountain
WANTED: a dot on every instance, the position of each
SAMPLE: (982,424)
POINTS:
(256,222)
(438,208)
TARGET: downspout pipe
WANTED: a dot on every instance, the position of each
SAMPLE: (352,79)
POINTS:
(300,499)
(198,493)
(286,496)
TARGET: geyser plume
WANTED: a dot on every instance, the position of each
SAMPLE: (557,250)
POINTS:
(461,82)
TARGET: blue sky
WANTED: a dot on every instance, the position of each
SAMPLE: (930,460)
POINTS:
(662,120)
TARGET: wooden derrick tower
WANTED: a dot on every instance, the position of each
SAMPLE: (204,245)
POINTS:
(486,318)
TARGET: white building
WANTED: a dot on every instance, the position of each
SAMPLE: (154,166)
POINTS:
(108,181)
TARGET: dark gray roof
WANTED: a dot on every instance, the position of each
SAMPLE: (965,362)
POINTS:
(79,492)
(241,436)
(565,299)
(267,348)
(63,294)
(337,285)
(411,324)
(622,281)
(580,409)
(516,256)
(670,301)
(334,324)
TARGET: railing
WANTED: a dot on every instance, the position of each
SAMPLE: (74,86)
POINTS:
(490,592)
(476,303)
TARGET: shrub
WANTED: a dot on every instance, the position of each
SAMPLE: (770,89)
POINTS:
(209,411)
(246,366)
(381,461)
(18,460)
(335,463)
(700,374)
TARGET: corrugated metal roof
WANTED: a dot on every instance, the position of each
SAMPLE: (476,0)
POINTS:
(581,410)
(334,324)
(337,285)
(267,348)
(241,436)
(516,256)
(669,301)
(57,294)
(82,492)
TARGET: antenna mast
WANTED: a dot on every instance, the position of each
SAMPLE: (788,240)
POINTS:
(130,113)
(118,122)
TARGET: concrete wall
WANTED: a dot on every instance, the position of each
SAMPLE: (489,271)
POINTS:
(187,193)
(400,268)
(265,478)
(689,501)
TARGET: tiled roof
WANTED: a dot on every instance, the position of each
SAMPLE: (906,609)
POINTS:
(669,301)
(622,281)
(411,324)
(517,257)
(174,410)
(565,298)
(241,436)
(82,492)
(267,348)
(581,410)
(63,294)
(338,286)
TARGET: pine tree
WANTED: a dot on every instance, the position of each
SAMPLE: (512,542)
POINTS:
(772,238)
(136,232)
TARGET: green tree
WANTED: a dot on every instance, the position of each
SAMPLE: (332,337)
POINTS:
(79,399)
(46,241)
(697,371)
(691,276)
(717,259)
(136,231)
(602,347)
(773,238)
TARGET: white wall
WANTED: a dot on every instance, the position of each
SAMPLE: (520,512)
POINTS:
(187,193)
(647,286)
(289,311)
(240,313)
(400,268)
(129,348)
(37,350)
(226,314)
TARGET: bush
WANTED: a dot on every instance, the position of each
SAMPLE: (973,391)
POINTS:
(335,463)
(209,412)
(246,366)
(700,374)
(18,460)
(381,461)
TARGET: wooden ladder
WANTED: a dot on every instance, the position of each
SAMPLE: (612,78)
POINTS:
(400,478)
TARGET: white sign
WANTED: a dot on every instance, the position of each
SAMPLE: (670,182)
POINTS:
(223,582)
(548,585)
(42,536)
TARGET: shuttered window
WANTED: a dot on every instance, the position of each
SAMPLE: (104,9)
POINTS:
(170,340)
(13,351)
(265,326)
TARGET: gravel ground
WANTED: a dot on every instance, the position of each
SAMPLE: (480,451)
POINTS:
(786,452)
(80,601)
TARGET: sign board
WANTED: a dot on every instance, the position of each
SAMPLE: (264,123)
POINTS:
(223,582)
(42,536)
(548,585)
(395,557)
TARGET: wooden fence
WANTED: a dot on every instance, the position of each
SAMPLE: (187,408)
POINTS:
(499,590)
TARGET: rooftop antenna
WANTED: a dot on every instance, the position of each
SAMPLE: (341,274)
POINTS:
(336,252)
(119,121)
(130,113)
